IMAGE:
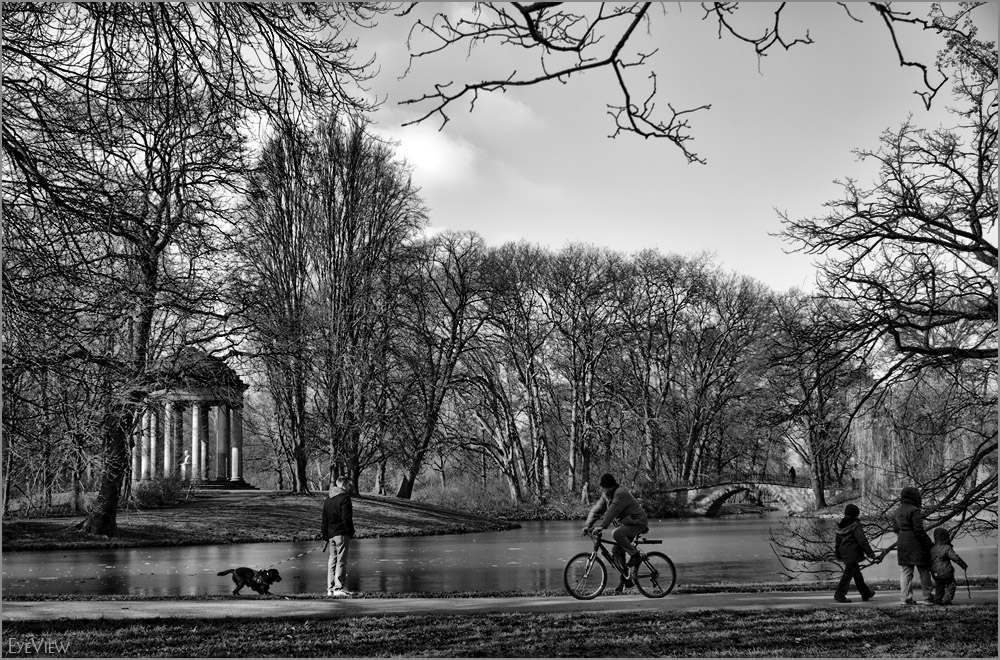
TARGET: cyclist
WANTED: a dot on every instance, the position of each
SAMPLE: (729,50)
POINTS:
(618,505)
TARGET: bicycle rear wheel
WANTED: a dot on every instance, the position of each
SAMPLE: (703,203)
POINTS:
(655,576)
(585,576)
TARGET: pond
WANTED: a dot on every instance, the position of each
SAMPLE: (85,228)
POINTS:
(530,558)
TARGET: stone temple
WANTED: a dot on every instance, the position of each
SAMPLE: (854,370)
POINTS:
(192,425)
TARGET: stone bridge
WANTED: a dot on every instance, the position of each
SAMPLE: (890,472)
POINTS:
(707,500)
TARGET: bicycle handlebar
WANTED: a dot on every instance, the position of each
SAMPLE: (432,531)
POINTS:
(597,536)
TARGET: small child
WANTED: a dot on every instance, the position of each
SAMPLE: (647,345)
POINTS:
(942,554)
(850,547)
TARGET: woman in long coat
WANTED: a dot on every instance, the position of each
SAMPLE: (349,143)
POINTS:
(912,547)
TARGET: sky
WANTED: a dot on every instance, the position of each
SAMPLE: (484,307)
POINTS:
(537,164)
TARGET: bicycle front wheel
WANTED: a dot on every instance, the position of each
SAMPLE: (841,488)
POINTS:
(585,576)
(655,576)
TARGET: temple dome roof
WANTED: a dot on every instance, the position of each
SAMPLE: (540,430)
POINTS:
(193,368)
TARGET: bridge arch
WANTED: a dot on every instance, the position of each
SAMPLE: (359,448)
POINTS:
(713,500)
(707,500)
(713,509)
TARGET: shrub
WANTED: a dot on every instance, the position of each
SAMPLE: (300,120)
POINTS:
(161,491)
(470,494)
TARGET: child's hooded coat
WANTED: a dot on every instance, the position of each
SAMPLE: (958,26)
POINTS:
(942,554)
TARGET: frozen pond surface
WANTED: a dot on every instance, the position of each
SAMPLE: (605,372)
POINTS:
(704,551)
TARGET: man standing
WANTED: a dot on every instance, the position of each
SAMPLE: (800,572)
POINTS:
(338,530)
(618,504)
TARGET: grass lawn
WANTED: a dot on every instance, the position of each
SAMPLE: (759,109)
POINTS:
(958,631)
(250,519)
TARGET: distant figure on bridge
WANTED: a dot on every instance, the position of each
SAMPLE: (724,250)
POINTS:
(850,547)
(618,505)
(791,475)
(913,547)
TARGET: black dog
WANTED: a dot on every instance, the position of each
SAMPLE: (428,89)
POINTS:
(259,581)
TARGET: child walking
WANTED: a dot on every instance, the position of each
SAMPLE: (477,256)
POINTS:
(942,554)
(851,546)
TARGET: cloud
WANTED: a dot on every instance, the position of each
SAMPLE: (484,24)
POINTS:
(461,11)
(438,159)
(497,113)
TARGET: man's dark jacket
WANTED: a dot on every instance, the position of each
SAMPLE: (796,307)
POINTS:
(338,516)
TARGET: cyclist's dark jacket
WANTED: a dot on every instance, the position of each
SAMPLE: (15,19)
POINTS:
(622,507)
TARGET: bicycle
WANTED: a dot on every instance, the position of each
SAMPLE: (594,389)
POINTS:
(586,575)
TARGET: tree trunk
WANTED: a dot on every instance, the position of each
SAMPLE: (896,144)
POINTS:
(546,485)
(380,478)
(817,466)
(103,518)
(300,483)
(405,490)
(409,477)
(513,486)
(77,490)
(818,490)
(7,480)
(585,456)
(574,444)
(650,459)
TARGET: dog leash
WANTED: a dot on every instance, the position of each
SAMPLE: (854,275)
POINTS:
(301,554)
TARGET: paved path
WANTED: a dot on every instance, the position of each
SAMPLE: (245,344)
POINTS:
(330,608)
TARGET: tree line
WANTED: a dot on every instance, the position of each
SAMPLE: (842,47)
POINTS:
(546,364)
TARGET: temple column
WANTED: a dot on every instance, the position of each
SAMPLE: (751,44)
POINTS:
(196,472)
(137,445)
(180,410)
(203,441)
(236,464)
(169,435)
(222,441)
(147,437)
(155,460)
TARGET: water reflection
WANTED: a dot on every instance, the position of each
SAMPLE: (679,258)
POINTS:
(530,558)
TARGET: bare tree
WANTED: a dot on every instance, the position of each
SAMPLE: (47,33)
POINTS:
(98,50)
(276,241)
(814,383)
(913,260)
(137,258)
(367,210)
(582,309)
(122,130)
(519,328)
(912,265)
(493,399)
(915,254)
(443,313)
(718,361)
(564,40)
(657,291)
